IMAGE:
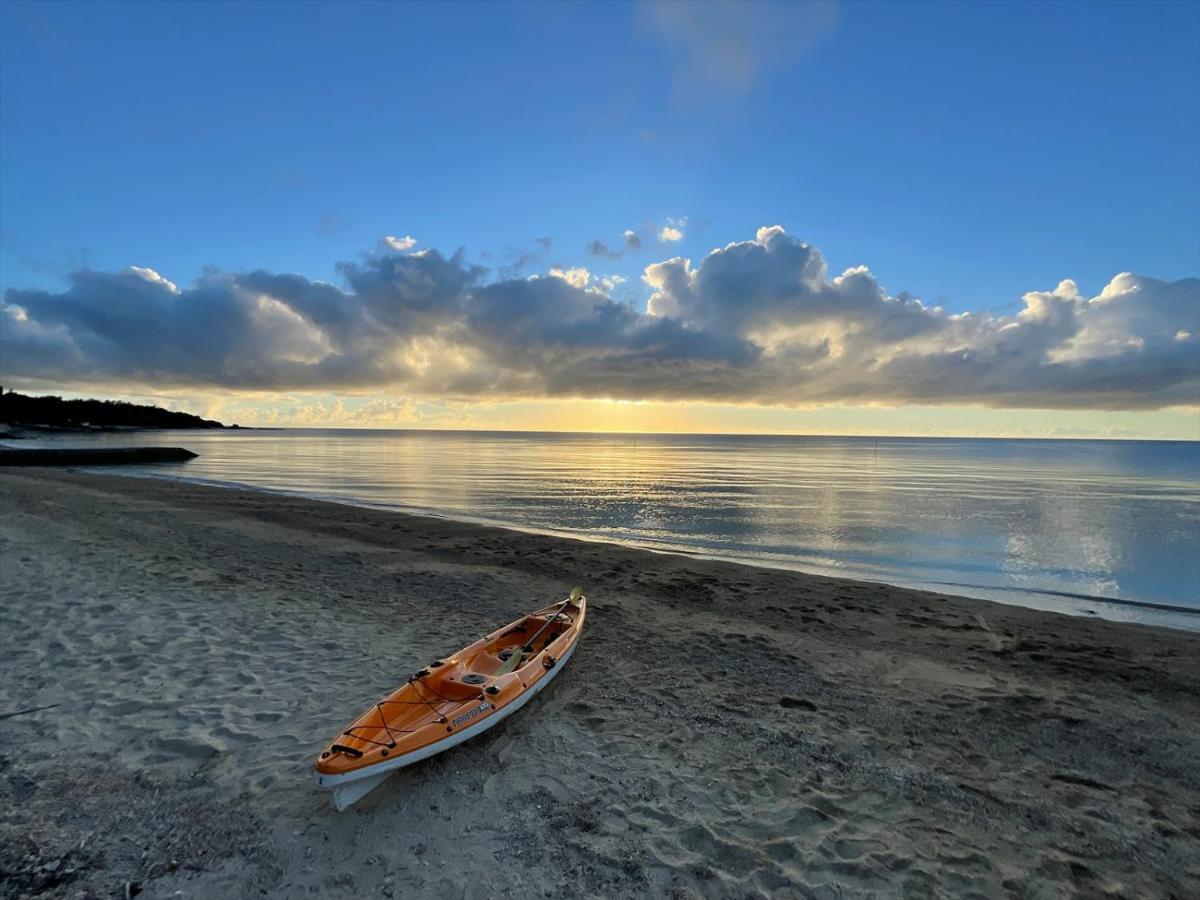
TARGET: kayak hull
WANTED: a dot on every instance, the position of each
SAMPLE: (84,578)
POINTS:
(353,786)
(452,701)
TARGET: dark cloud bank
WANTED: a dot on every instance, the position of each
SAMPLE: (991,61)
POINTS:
(754,322)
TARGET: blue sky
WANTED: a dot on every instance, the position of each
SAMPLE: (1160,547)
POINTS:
(967,153)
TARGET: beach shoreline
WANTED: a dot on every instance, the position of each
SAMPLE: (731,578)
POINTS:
(1101,529)
(725,729)
(1160,615)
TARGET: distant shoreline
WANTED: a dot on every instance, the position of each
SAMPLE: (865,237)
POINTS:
(24,432)
(22,412)
(21,432)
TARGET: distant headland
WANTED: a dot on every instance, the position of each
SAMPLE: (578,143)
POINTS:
(19,412)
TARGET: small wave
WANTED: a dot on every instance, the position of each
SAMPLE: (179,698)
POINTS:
(1090,598)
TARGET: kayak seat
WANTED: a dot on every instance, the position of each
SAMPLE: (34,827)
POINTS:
(512,659)
(450,683)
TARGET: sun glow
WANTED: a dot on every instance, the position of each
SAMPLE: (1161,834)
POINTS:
(322,410)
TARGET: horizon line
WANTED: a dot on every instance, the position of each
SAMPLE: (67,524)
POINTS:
(781,434)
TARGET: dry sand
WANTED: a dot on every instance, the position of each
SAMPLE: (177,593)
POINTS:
(723,731)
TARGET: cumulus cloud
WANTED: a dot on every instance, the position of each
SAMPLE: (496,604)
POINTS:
(672,231)
(579,277)
(400,244)
(576,277)
(153,277)
(759,321)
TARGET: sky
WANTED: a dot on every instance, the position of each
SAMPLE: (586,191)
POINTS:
(814,218)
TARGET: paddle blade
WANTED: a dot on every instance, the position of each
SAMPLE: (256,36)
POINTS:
(576,593)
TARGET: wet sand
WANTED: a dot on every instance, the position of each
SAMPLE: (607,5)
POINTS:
(722,731)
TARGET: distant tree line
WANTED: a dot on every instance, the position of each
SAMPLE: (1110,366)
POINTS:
(18,409)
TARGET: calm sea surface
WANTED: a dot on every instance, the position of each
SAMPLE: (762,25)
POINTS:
(1062,525)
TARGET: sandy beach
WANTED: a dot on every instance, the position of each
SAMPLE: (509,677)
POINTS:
(723,731)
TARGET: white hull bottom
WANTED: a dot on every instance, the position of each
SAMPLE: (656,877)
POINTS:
(352,787)
(345,794)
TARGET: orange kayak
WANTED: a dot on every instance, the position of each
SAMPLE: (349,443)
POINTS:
(452,700)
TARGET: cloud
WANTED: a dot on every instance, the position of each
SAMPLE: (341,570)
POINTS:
(756,322)
(672,231)
(153,277)
(728,45)
(581,278)
(401,244)
(577,277)
(519,258)
(378,412)
(629,243)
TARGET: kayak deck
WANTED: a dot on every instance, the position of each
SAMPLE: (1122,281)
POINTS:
(451,700)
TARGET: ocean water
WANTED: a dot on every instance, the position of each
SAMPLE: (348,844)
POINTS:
(1108,528)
